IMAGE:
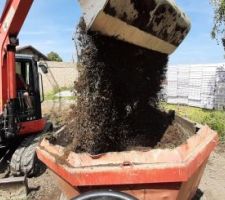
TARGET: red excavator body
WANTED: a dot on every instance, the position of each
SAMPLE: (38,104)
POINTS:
(11,22)
(20,89)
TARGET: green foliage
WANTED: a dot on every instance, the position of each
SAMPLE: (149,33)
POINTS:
(219,18)
(53,56)
(52,95)
(214,119)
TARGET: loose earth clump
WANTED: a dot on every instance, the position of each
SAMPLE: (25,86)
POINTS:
(117,97)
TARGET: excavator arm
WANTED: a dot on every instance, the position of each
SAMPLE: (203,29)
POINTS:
(12,19)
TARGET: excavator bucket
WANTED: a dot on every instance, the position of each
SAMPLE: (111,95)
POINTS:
(158,25)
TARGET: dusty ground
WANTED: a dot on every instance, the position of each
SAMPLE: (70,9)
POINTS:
(43,188)
(213,182)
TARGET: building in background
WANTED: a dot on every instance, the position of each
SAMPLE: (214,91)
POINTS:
(30,50)
(61,74)
(200,86)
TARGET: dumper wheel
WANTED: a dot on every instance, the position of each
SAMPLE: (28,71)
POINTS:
(104,195)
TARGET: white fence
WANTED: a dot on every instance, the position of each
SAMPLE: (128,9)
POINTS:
(200,86)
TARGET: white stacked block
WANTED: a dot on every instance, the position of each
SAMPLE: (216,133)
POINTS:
(194,87)
(172,100)
(182,100)
(208,101)
(182,84)
(194,94)
(172,74)
(197,85)
(194,103)
(172,89)
(220,88)
(172,85)
(220,74)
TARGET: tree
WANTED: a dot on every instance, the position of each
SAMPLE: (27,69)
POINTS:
(219,19)
(53,56)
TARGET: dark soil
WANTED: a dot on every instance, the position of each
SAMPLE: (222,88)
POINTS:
(117,98)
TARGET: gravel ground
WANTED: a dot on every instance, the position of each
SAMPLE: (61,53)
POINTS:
(43,188)
(213,182)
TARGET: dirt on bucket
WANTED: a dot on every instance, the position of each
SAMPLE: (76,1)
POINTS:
(117,104)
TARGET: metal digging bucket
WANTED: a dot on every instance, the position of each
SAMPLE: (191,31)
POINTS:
(157,25)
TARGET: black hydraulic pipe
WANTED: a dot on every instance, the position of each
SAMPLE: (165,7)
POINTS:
(11,128)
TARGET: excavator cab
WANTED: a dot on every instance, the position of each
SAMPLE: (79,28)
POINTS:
(29,89)
(24,117)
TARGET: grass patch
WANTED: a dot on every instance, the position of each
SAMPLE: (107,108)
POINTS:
(52,95)
(214,119)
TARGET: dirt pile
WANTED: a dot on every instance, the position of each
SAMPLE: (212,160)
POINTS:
(117,96)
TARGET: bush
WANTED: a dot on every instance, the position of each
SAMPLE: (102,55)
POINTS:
(214,119)
(52,95)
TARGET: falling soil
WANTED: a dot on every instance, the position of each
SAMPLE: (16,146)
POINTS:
(117,98)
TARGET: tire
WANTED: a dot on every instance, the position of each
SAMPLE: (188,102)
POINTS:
(24,160)
(104,194)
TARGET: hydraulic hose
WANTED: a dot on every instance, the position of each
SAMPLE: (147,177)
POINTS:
(104,195)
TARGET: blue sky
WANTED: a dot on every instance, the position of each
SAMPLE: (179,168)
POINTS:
(51,23)
(198,47)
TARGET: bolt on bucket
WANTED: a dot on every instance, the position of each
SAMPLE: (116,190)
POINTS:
(158,25)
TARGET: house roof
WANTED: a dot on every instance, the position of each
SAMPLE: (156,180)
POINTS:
(34,50)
